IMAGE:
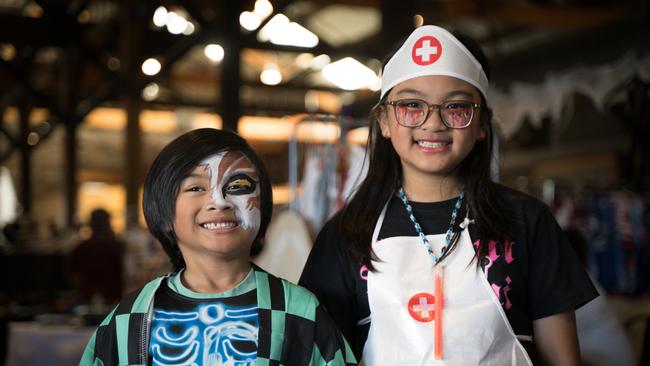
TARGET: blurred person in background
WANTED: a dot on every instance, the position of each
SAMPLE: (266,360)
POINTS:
(96,263)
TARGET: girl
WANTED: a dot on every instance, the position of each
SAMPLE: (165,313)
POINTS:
(207,199)
(431,262)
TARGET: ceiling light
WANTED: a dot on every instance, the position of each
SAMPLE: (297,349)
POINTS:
(113,63)
(350,74)
(175,23)
(282,31)
(418,20)
(84,17)
(263,8)
(151,66)
(303,60)
(214,52)
(320,61)
(189,28)
(7,51)
(150,92)
(160,17)
(33,138)
(271,74)
(249,21)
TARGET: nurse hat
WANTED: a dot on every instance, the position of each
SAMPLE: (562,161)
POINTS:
(431,50)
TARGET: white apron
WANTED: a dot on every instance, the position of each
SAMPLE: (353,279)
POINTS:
(474,326)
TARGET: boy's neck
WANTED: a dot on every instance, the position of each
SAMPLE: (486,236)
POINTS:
(210,278)
(428,188)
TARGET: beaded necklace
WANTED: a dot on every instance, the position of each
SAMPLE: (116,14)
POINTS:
(418,228)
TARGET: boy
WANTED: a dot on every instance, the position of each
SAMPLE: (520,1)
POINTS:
(207,199)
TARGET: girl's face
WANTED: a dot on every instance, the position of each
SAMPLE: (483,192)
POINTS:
(431,149)
(218,207)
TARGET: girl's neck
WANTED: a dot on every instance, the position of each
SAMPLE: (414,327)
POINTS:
(427,188)
(209,277)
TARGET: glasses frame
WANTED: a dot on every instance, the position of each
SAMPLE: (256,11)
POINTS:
(432,106)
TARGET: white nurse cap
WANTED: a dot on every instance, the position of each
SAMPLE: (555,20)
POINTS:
(431,50)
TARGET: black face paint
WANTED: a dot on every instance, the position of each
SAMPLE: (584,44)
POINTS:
(239,184)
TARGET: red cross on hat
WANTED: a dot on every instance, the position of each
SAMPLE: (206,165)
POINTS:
(426,50)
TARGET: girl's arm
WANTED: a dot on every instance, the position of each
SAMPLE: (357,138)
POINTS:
(556,339)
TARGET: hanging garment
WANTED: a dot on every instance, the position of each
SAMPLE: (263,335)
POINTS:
(287,246)
(475,330)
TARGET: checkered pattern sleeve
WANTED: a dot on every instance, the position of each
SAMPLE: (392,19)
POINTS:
(295,329)
(121,338)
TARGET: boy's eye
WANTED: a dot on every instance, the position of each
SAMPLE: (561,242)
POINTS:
(194,189)
(239,184)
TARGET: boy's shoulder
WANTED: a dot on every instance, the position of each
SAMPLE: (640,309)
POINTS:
(297,299)
(138,301)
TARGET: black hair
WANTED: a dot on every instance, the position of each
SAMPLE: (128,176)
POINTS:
(174,163)
(486,206)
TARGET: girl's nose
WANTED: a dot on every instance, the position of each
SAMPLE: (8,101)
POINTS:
(433,121)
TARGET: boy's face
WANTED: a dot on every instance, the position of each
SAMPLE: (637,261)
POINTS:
(218,208)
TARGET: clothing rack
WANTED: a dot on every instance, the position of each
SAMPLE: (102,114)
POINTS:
(293,145)
(293,154)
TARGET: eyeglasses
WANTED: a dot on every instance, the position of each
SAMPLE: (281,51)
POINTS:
(453,113)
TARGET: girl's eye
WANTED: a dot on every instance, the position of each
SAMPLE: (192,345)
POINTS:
(411,104)
(459,105)
(240,184)
(194,189)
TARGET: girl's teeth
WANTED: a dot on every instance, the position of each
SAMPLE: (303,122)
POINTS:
(432,145)
(219,225)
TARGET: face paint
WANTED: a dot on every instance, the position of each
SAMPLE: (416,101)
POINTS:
(233,183)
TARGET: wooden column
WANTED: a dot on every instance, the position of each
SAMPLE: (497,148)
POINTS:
(230,72)
(67,96)
(25,159)
(130,40)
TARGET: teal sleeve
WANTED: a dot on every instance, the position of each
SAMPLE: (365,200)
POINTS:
(88,357)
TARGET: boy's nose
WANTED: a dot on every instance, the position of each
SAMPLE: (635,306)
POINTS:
(218,201)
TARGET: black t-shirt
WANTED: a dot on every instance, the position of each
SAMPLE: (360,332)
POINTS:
(191,328)
(536,275)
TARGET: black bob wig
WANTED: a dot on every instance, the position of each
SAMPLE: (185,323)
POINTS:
(174,163)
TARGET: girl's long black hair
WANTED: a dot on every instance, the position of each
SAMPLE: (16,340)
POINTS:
(486,206)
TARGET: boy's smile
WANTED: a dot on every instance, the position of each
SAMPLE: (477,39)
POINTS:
(218,207)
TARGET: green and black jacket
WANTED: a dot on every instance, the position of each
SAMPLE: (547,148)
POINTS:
(294,329)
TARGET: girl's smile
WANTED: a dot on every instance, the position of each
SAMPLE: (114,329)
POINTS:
(433,145)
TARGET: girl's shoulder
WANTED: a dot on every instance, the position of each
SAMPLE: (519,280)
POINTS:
(331,232)
(518,200)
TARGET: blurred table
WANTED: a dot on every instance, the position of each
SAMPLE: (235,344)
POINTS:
(35,344)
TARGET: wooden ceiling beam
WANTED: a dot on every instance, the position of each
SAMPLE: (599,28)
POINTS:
(529,14)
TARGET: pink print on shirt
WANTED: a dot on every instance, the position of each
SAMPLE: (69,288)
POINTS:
(500,287)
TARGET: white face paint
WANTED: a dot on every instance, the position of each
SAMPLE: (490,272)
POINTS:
(234,183)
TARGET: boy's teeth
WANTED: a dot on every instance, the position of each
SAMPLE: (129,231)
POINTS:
(219,225)
(430,144)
